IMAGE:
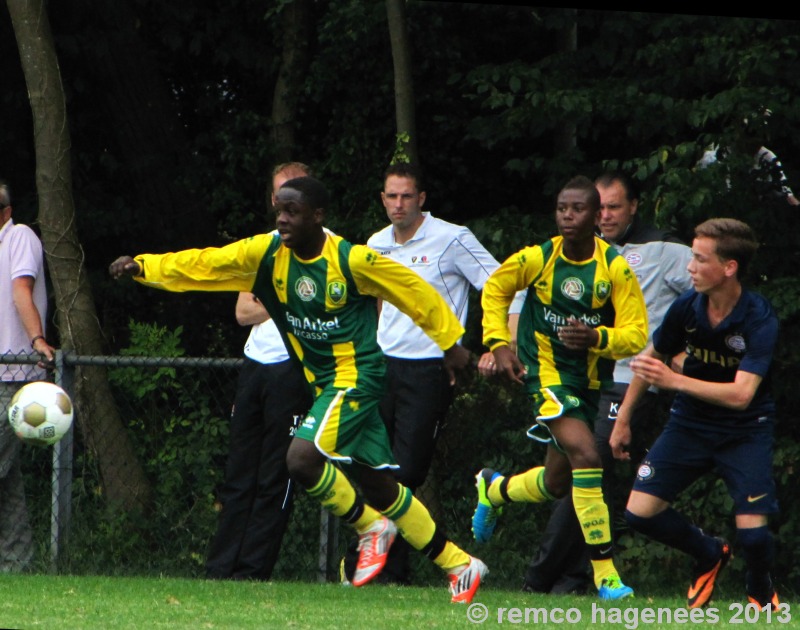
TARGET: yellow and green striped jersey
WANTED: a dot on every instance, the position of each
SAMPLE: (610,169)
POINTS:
(325,307)
(602,292)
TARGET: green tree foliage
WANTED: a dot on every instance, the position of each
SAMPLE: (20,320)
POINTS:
(180,436)
(646,93)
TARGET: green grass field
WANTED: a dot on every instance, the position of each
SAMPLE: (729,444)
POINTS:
(59,602)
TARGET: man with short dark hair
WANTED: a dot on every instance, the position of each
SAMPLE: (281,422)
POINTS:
(583,310)
(419,391)
(722,416)
(659,261)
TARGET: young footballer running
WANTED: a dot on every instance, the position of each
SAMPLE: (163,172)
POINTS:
(321,290)
(583,310)
(722,416)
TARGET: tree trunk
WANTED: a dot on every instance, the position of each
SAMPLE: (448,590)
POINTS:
(403,81)
(294,64)
(125,484)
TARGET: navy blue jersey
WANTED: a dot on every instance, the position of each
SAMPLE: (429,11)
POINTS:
(744,340)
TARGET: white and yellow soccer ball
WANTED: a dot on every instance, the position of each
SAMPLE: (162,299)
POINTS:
(40,413)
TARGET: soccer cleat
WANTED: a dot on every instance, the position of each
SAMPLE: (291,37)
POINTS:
(465,580)
(373,549)
(702,587)
(613,588)
(484,519)
(770,601)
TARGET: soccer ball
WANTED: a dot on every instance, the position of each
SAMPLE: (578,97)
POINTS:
(40,413)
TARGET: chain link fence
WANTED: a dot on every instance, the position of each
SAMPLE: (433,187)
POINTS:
(176,412)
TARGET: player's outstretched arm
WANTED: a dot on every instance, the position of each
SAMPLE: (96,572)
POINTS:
(124,266)
(233,267)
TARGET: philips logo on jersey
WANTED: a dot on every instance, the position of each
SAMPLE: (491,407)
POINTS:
(573,288)
(311,329)
(713,357)
(305,288)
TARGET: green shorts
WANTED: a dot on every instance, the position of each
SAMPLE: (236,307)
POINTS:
(555,401)
(345,426)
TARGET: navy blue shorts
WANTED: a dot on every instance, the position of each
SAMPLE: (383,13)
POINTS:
(744,460)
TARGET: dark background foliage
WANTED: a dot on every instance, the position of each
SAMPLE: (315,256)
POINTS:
(170,105)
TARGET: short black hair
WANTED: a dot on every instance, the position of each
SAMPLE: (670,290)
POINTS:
(313,190)
(405,169)
(631,187)
(581,182)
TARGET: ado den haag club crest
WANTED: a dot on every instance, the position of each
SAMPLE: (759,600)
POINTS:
(337,291)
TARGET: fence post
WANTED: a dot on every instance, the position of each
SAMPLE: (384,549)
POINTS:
(328,545)
(61,480)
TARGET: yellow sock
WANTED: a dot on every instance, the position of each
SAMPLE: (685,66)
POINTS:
(338,496)
(527,487)
(452,556)
(592,512)
(415,524)
(603,569)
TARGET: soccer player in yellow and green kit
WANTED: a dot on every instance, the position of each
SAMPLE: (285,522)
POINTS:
(321,291)
(584,309)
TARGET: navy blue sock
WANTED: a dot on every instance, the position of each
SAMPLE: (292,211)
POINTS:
(671,529)
(759,551)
